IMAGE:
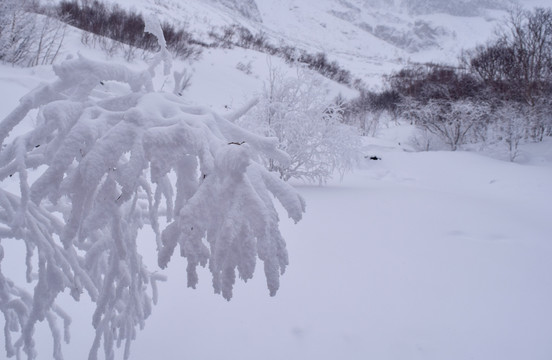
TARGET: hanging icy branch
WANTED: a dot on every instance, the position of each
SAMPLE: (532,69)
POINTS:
(101,169)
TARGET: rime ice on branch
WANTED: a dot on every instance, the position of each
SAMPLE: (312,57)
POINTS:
(102,168)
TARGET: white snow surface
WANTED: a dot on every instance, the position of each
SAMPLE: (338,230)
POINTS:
(431,255)
(418,256)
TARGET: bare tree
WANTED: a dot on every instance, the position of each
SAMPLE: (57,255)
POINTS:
(49,37)
(16,31)
(518,65)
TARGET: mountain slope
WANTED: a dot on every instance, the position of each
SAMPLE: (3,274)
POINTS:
(370,38)
(417,256)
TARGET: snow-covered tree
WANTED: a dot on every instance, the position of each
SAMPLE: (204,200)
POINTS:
(309,127)
(509,127)
(452,122)
(78,187)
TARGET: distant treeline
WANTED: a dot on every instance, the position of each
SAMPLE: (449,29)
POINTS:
(239,36)
(124,26)
(502,89)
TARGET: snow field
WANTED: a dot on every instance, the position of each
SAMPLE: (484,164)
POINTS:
(417,256)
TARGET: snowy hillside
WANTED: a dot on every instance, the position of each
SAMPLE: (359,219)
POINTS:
(367,37)
(418,255)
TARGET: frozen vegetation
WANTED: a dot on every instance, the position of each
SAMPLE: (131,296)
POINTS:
(102,167)
(429,238)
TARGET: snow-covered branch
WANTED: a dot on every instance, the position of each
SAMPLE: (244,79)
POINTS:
(94,170)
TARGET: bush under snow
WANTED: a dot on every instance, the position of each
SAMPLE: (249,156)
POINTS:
(95,170)
(308,127)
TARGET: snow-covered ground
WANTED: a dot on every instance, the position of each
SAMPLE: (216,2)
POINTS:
(418,256)
(430,255)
